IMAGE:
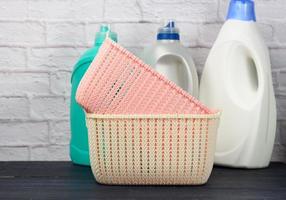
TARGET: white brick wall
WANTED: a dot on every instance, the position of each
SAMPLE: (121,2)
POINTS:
(40,41)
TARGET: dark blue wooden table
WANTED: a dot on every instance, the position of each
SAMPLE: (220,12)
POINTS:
(63,180)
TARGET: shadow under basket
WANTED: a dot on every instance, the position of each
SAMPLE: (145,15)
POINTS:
(152,149)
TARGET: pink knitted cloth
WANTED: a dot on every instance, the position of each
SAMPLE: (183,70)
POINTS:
(117,82)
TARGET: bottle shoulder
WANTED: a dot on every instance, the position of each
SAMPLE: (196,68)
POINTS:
(89,53)
(86,57)
(245,33)
(84,61)
(240,31)
(160,49)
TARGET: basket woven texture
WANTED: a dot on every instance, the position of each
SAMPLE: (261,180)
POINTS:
(144,129)
(154,149)
(117,82)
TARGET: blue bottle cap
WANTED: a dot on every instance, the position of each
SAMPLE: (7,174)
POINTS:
(241,10)
(168,31)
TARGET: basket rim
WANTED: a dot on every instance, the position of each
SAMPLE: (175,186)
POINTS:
(215,115)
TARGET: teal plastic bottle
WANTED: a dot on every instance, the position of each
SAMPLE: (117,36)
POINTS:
(79,151)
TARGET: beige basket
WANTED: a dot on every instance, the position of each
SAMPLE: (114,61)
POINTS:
(152,149)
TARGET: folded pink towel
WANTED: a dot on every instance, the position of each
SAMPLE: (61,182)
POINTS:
(117,82)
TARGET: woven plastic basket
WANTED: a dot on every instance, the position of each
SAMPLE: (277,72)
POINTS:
(135,134)
(152,149)
(117,82)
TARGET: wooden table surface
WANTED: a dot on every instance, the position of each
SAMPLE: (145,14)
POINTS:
(63,180)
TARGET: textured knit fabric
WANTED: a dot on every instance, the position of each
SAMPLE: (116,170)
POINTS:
(152,149)
(117,82)
(144,129)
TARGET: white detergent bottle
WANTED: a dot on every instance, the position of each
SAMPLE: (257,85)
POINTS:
(171,59)
(237,79)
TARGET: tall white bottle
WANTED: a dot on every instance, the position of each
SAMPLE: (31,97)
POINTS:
(237,79)
(171,59)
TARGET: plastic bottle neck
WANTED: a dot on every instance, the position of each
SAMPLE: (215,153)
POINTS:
(99,40)
(168,41)
(168,31)
(103,33)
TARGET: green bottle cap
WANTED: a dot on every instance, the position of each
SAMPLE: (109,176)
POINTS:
(105,31)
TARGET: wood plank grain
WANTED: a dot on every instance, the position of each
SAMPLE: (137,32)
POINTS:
(63,180)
